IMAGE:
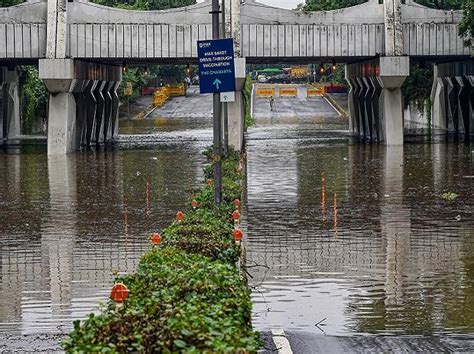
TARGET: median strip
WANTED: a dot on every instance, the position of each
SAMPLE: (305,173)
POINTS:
(187,293)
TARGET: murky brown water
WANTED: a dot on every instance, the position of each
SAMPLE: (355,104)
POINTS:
(67,225)
(357,238)
(372,248)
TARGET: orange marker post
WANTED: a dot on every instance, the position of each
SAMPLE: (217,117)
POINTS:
(155,238)
(179,216)
(236,203)
(238,235)
(119,293)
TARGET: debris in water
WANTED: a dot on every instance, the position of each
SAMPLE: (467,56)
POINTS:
(458,217)
(449,196)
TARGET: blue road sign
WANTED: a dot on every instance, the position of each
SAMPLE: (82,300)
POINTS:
(216,66)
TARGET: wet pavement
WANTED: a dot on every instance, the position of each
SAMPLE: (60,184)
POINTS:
(347,240)
(296,110)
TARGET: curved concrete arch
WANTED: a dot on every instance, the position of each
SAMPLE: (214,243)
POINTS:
(88,12)
(369,12)
(27,12)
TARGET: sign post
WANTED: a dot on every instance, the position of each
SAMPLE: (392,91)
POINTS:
(216,75)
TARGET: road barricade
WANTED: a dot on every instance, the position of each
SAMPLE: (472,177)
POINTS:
(288,91)
(160,96)
(315,91)
(265,91)
(177,90)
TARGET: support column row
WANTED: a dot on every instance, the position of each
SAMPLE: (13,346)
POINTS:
(375,99)
(83,106)
(452,100)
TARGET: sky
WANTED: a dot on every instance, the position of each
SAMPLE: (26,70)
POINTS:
(286,4)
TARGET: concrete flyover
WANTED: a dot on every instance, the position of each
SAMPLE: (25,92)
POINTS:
(74,33)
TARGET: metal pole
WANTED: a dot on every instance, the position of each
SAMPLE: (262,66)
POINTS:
(225,114)
(217,122)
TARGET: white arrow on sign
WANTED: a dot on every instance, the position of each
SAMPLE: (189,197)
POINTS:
(227,96)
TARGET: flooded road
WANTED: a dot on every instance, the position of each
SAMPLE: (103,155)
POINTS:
(348,239)
(343,239)
(68,225)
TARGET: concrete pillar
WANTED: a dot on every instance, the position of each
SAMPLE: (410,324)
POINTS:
(361,90)
(99,113)
(368,111)
(236,110)
(378,118)
(10,105)
(107,131)
(350,103)
(91,111)
(14,129)
(56,30)
(356,113)
(393,72)
(470,79)
(81,109)
(393,27)
(438,106)
(58,76)
(235,9)
(115,109)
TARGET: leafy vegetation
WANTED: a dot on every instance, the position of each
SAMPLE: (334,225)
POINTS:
(417,87)
(325,5)
(33,97)
(249,120)
(466,27)
(187,294)
(145,4)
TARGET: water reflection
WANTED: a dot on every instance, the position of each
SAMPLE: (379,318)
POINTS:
(67,225)
(359,235)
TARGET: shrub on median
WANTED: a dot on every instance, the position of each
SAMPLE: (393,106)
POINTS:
(187,294)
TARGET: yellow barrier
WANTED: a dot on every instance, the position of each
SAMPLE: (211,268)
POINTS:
(160,96)
(288,92)
(265,92)
(314,91)
(178,90)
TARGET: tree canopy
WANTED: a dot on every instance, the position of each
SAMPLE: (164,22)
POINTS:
(466,27)
(145,4)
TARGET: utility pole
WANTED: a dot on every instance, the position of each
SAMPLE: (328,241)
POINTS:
(225,113)
(217,124)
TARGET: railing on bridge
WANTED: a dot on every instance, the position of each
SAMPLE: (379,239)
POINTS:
(266,33)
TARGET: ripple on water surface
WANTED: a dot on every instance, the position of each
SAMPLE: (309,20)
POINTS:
(357,236)
(68,225)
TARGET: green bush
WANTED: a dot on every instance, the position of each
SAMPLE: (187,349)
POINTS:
(187,294)
(249,120)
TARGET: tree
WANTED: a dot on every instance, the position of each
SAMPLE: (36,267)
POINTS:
(326,5)
(145,4)
(6,3)
(466,27)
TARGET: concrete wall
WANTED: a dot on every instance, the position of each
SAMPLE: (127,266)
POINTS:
(262,32)
(23,31)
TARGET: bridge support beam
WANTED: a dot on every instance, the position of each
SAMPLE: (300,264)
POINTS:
(83,106)
(9,104)
(375,99)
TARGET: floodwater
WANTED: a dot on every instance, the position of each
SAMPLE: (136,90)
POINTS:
(348,239)
(68,225)
(342,238)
